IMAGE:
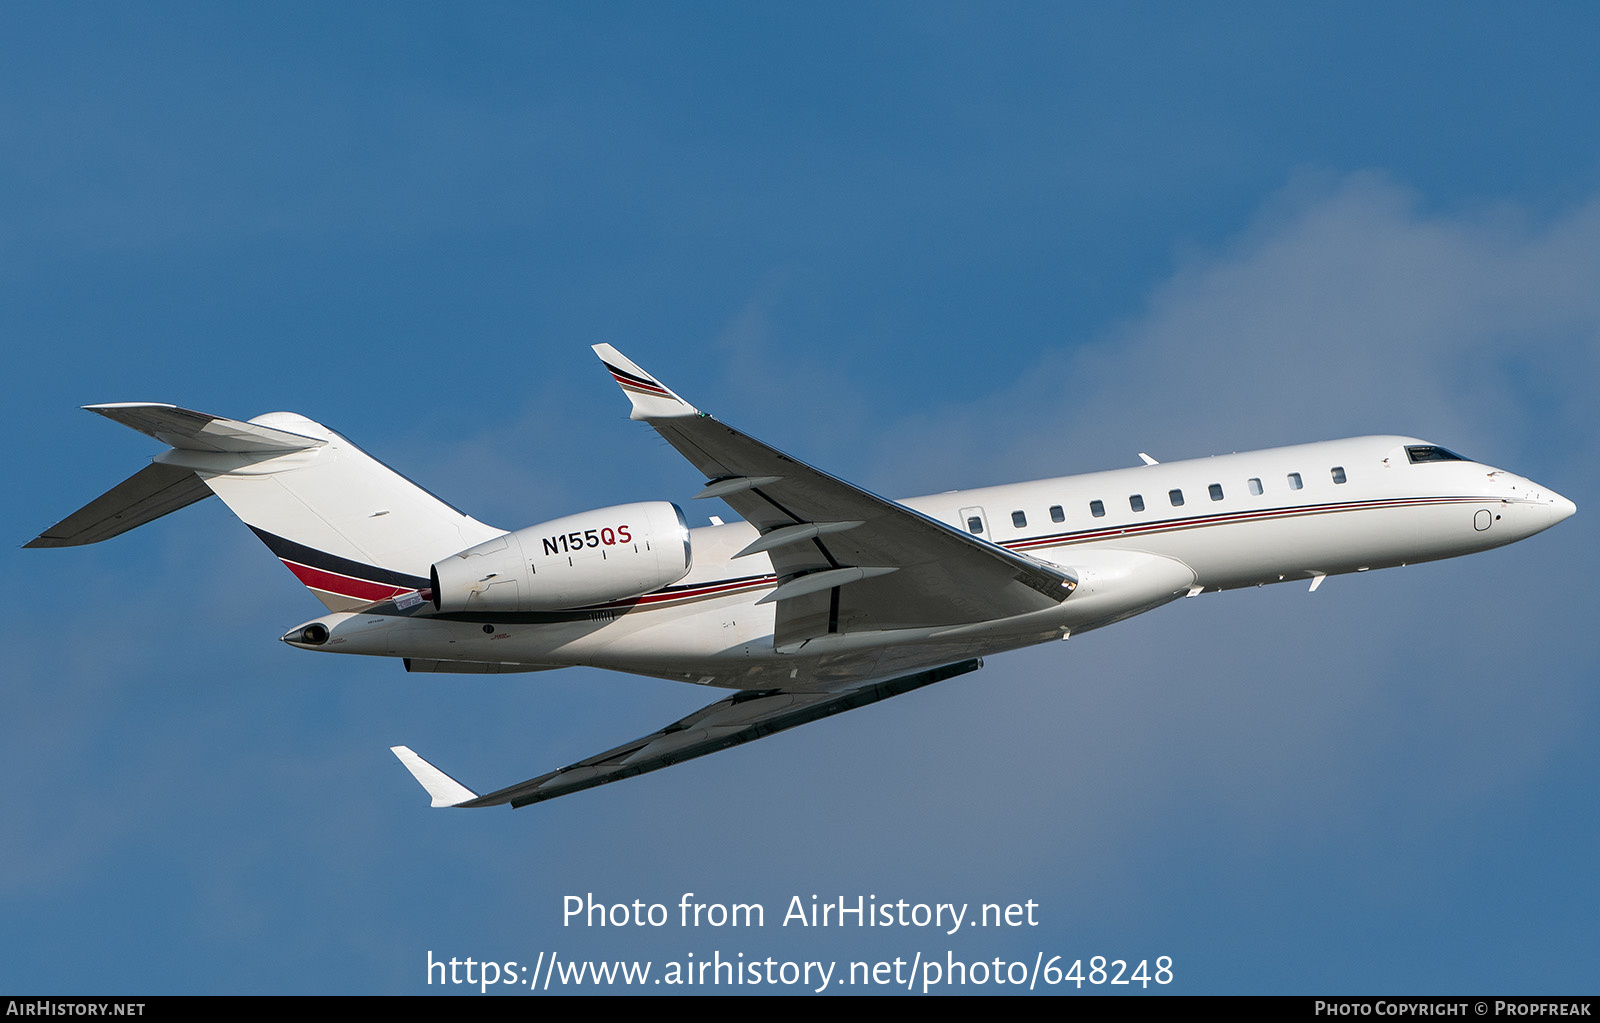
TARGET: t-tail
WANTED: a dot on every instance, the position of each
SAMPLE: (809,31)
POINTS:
(350,528)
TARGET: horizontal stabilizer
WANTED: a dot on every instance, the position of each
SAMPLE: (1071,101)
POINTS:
(741,718)
(350,528)
(148,494)
(445,790)
(196,431)
(162,488)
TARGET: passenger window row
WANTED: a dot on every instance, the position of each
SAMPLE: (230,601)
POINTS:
(1097,508)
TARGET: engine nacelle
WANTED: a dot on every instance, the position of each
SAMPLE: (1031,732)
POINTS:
(589,558)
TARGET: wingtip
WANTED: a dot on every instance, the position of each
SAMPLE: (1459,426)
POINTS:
(651,398)
(444,790)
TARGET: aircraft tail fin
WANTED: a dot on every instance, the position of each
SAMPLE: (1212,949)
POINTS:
(350,528)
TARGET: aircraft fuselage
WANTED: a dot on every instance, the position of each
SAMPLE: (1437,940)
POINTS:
(1134,539)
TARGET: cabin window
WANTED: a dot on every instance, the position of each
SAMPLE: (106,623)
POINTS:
(1019,519)
(1338,474)
(1431,453)
(1295,483)
(1057,513)
(1136,502)
(1216,491)
(1097,509)
(1176,497)
(1255,486)
(974,524)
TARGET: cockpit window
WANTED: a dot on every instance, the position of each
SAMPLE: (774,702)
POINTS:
(1431,453)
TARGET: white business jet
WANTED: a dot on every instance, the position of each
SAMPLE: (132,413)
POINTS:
(825,598)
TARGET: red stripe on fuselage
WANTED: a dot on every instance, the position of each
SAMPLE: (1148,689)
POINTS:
(685,593)
(710,590)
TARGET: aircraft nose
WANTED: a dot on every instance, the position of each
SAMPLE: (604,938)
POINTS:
(1561,508)
(1549,508)
(1536,508)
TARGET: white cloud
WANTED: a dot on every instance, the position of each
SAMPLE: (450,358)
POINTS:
(1413,696)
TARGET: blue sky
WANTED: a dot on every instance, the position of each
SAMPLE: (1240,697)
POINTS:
(924,246)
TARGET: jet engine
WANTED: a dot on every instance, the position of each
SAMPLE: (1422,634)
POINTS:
(588,558)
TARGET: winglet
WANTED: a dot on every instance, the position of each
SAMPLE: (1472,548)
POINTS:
(651,398)
(445,790)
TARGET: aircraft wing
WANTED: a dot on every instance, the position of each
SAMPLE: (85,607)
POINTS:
(742,717)
(846,560)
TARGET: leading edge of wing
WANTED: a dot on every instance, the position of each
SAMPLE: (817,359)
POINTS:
(743,717)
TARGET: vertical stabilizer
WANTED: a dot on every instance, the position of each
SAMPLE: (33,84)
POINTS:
(349,527)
